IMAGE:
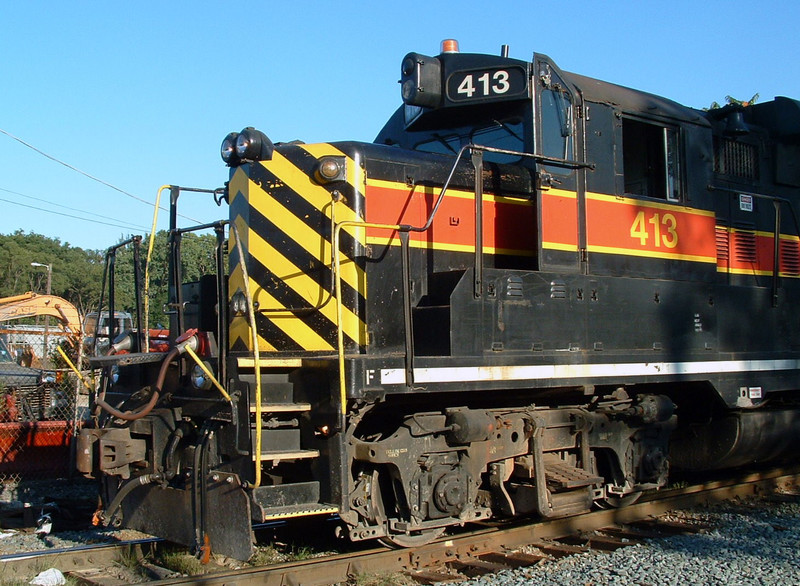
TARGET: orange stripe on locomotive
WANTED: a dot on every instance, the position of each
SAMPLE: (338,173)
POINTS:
(508,224)
(630,227)
(615,225)
(619,225)
(560,220)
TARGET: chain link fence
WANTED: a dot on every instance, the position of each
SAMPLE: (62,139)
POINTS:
(42,402)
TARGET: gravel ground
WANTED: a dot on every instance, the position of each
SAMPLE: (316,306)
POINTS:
(44,496)
(14,541)
(754,542)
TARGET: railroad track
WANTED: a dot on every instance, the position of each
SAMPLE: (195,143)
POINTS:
(486,549)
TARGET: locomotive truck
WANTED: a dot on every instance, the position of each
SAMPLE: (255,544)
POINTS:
(532,294)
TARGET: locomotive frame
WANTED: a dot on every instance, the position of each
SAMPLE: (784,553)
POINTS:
(533,293)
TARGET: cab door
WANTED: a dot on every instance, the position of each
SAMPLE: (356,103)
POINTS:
(561,189)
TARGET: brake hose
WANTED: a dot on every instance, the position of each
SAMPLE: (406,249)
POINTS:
(142,411)
(108,516)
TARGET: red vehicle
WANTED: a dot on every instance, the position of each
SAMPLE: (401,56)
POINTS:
(36,415)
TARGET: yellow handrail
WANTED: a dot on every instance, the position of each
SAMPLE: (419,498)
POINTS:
(256,355)
(150,246)
(396,227)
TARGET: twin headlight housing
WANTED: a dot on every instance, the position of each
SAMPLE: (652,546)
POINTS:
(248,145)
(253,145)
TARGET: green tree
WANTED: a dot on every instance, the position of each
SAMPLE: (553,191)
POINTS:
(197,259)
(76,273)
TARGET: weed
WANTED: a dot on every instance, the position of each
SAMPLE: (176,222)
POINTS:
(282,552)
(298,554)
(265,556)
(183,563)
(128,558)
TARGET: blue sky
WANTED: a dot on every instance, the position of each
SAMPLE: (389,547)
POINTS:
(140,94)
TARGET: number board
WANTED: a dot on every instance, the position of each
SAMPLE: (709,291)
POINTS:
(488,83)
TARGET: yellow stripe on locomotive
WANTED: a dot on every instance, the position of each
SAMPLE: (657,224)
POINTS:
(284,218)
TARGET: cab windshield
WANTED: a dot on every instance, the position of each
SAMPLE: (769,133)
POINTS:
(445,131)
(506,134)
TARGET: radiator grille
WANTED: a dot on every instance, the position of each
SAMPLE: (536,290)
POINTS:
(735,159)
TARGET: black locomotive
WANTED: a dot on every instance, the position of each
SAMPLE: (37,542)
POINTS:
(533,293)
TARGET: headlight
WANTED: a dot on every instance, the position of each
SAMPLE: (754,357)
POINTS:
(238,304)
(421,80)
(122,343)
(228,149)
(200,379)
(330,169)
(253,145)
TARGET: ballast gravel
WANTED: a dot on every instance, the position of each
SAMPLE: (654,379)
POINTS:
(41,497)
(753,542)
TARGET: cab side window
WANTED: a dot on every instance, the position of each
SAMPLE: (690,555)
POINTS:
(556,122)
(555,119)
(650,159)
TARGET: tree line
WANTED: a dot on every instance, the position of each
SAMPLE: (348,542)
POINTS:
(77,274)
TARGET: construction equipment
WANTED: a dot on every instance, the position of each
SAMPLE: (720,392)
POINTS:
(32,304)
(37,412)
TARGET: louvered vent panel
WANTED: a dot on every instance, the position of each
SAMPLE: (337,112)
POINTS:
(744,246)
(723,244)
(790,257)
(735,159)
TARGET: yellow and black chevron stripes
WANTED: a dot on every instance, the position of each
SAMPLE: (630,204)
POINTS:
(283,218)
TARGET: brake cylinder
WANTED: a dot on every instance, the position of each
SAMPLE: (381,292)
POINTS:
(469,425)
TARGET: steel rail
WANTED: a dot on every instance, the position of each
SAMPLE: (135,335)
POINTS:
(16,566)
(495,537)
(341,568)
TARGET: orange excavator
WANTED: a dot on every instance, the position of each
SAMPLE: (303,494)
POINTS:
(20,373)
(32,304)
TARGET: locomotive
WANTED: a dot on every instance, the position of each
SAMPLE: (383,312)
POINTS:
(532,294)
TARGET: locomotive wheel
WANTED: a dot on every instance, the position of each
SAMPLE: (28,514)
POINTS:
(401,540)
